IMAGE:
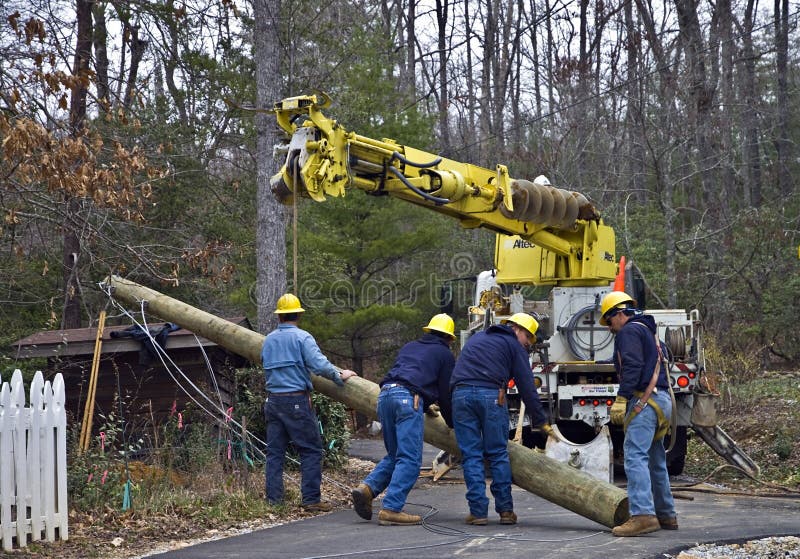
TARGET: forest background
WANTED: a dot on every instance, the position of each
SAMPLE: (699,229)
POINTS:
(136,140)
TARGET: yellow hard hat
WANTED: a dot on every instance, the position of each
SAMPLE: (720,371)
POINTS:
(523,320)
(613,300)
(442,323)
(288,303)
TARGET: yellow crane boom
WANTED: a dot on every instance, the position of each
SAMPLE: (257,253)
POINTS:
(571,244)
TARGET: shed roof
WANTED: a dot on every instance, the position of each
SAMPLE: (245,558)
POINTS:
(81,341)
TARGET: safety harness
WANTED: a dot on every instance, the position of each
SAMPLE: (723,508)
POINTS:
(643,400)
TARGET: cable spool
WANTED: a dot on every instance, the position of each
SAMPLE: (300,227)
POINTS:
(675,340)
(580,348)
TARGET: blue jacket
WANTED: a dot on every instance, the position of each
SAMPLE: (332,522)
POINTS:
(635,356)
(492,357)
(424,366)
(289,356)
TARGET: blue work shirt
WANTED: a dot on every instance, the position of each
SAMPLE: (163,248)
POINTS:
(424,366)
(635,356)
(289,356)
(492,357)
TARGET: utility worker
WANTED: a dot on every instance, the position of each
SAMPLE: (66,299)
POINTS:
(289,356)
(480,414)
(419,378)
(643,406)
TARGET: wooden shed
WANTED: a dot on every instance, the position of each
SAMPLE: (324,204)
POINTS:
(151,389)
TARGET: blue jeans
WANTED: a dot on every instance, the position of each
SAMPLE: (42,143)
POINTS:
(402,428)
(292,418)
(646,461)
(481,427)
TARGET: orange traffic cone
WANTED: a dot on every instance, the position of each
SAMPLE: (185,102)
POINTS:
(619,282)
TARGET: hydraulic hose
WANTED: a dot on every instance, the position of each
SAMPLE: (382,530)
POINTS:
(399,174)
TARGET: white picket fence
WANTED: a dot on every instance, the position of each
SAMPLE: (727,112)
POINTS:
(33,461)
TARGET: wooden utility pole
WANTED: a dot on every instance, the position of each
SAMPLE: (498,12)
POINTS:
(558,483)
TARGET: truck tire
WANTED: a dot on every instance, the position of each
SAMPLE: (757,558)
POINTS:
(676,458)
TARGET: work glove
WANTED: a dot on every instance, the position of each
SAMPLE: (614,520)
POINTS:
(548,430)
(618,410)
(432,410)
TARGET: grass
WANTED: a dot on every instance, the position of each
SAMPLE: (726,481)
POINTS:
(763,416)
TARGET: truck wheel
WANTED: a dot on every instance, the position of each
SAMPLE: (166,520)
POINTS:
(676,458)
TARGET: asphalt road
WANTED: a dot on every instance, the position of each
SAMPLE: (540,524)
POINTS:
(545,530)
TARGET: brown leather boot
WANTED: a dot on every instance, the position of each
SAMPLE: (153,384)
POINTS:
(391,518)
(362,501)
(668,522)
(476,521)
(508,517)
(637,525)
(322,506)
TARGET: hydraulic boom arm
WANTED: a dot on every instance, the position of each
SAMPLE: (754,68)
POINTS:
(572,246)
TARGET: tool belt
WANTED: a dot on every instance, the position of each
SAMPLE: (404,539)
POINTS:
(663,423)
(295,393)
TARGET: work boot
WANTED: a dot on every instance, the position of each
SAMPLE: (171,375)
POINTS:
(391,518)
(637,525)
(508,517)
(668,522)
(322,506)
(362,501)
(475,521)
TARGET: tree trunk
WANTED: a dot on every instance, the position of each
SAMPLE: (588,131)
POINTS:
(633,114)
(750,117)
(783,146)
(171,61)
(77,116)
(138,47)
(409,84)
(704,158)
(471,102)
(271,215)
(442,8)
(537,74)
(533,471)
(726,127)
(487,132)
(548,51)
(100,39)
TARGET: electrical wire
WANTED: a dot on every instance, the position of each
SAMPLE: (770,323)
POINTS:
(216,412)
(210,370)
(457,533)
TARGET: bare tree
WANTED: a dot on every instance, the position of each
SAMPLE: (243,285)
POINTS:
(633,113)
(750,110)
